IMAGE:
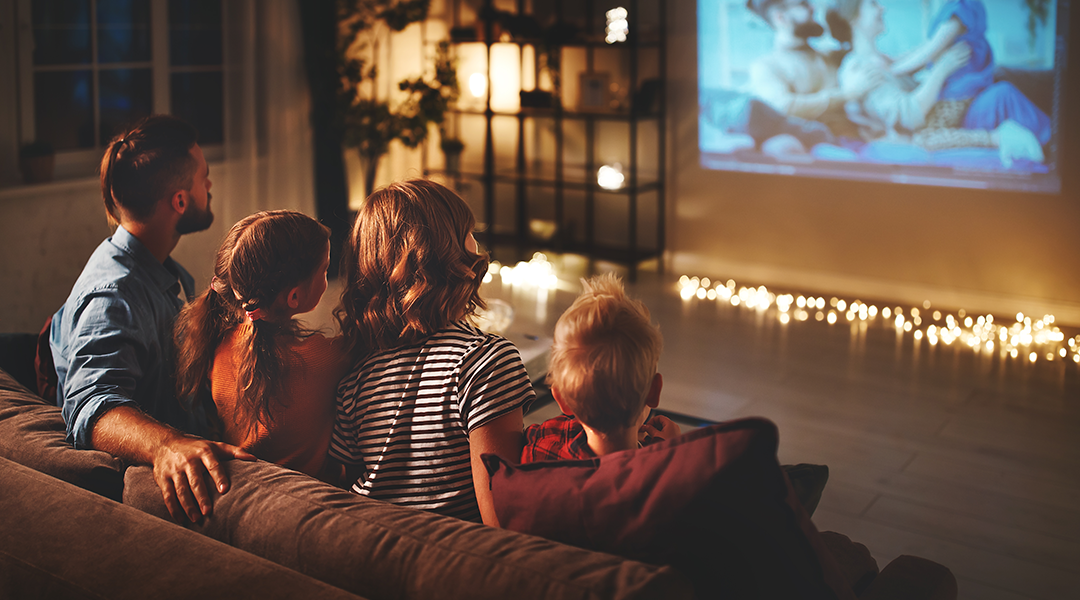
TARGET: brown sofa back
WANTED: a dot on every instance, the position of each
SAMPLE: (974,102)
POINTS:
(58,541)
(32,433)
(381,550)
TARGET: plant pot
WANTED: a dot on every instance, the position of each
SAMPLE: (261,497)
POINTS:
(453,162)
(37,169)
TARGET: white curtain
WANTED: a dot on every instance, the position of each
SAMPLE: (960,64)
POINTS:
(268,139)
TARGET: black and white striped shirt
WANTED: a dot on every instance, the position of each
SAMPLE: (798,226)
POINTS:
(406,414)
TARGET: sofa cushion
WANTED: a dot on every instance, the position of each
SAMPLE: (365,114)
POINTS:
(32,433)
(62,542)
(714,503)
(381,550)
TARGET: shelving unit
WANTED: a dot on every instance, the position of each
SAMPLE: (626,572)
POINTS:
(551,194)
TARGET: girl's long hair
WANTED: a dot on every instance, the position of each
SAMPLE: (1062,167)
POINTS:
(406,271)
(262,256)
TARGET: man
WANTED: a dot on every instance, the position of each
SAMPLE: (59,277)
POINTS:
(797,80)
(112,339)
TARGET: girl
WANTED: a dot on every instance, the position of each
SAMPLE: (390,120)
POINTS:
(431,392)
(272,382)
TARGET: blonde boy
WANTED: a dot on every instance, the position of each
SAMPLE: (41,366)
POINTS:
(603,377)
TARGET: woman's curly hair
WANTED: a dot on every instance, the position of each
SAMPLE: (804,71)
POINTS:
(407,273)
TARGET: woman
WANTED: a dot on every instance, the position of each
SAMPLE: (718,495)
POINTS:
(430,392)
(933,113)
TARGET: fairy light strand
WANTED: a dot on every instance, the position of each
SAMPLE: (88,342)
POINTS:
(1032,339)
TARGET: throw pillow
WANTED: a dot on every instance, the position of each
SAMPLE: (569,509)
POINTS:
(713,503)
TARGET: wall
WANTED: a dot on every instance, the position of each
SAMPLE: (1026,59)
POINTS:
(988,251)
(46,234)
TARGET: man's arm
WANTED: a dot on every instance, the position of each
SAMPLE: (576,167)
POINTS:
(181,462)
(767,84)
(102,352)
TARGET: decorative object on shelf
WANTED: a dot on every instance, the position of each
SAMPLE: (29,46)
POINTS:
(537,99)
(36,162)
(647,98)
(371,123)
(452,149)
(594,91)
(463,34)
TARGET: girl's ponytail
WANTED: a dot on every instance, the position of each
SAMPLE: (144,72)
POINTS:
(199,329)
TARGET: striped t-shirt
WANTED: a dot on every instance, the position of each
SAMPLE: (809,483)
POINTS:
(405,414)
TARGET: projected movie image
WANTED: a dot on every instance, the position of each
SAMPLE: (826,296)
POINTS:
(962,93)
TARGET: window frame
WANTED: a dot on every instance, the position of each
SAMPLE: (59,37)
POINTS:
(84,162)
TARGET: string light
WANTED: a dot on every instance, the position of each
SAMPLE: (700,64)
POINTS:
(617,25)
(537,273)
(1037,339)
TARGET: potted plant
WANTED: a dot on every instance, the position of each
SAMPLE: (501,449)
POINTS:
(452,148)
(36,162)
(370,122)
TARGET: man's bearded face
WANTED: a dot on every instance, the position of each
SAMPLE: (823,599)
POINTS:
(196,218)
(809,29)
(801,15)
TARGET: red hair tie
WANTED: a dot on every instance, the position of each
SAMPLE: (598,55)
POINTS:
(256,315)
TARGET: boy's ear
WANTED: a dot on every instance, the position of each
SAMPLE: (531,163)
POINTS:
(653,399)
(562,403)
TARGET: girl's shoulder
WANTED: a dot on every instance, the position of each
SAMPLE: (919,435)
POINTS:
(329,350)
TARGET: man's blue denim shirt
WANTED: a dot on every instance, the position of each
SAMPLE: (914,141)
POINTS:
(112,340)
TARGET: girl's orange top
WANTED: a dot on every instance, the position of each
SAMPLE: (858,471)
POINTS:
(300,433)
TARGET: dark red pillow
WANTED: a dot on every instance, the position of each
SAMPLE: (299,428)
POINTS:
(713,503)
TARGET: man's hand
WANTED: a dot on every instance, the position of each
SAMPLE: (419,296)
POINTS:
(181,462)
(182,465)
(661,428)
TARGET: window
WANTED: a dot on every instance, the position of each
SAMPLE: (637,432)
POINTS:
(91,67)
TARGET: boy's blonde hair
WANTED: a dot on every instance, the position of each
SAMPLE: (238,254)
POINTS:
(605,355)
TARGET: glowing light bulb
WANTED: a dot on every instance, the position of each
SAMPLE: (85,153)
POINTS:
(831,318)
(918,334)
(886,313)
(610,177)
(1033,357)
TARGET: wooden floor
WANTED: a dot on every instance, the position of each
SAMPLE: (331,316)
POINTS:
(936,451)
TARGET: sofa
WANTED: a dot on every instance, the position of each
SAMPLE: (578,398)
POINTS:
(81,524)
